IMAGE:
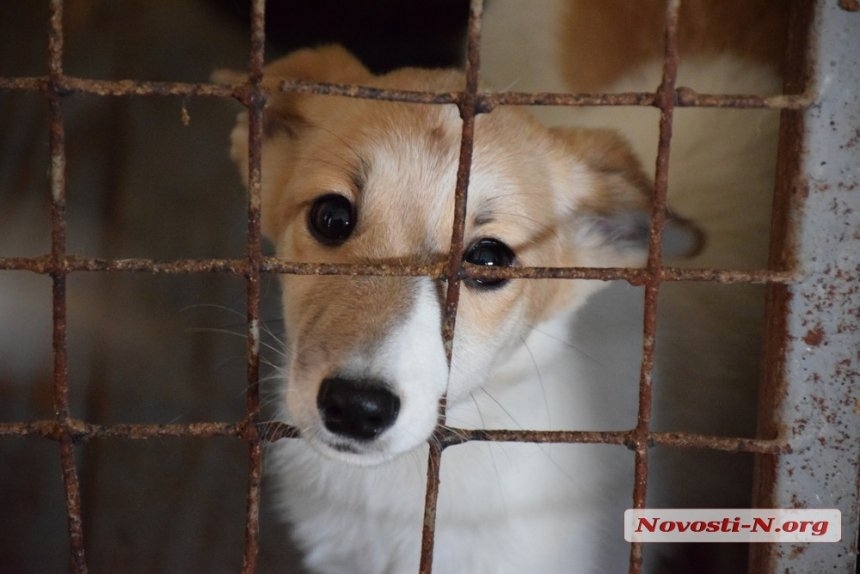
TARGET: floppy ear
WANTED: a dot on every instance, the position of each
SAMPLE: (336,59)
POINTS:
(329,64)
(613,217)
(286,115)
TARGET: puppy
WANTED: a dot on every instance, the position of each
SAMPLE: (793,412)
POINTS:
(355,181)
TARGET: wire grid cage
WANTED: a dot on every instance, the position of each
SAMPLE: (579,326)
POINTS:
(789,467)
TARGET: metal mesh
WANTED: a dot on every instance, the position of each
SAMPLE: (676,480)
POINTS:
(471,101)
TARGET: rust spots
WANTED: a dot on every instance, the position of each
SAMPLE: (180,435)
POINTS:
(814,337)
(850,5)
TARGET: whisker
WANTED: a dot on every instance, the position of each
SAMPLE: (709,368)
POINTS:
(567,343)
(240,335)
(539,378)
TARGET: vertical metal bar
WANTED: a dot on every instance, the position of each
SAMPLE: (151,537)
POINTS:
(58,210)
(813,370)
(431,497)
(666,103)
(468,110)
(782,257)
(256,103)
(71,485)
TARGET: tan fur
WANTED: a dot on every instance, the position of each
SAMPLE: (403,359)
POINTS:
(603,39)
(610,156)
(558,197)
(397,163)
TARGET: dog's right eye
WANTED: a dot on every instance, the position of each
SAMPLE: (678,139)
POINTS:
(331,219)
(490,253)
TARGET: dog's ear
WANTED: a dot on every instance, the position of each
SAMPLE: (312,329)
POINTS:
(331,64)
(612,218)
(328,64)
(286,115)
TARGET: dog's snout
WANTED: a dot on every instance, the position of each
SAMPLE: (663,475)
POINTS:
(357,408)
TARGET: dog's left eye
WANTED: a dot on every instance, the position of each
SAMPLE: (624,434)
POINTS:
(491,253)
(331,219)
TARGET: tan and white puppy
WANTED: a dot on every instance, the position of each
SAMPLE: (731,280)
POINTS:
(356,181)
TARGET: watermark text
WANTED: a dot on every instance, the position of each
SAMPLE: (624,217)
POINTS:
(732,525)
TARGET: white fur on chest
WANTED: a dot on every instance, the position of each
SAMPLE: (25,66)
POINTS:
(503,507)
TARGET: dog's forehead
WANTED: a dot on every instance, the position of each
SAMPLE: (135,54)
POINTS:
(410,161)
(401,161)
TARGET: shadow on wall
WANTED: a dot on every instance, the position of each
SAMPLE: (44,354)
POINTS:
(144,348)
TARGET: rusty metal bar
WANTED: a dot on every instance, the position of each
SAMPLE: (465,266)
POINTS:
(255,101)
(666,103)
(789,178)
(686,97)
(431,498)
(372,93)
(454,436)
(486,100)
(72,263)
(634,276)
(57,144)
(813,366)
(468,107)
(82,431)
(70,85)
(683,97)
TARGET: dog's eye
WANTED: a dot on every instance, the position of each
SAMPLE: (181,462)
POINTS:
(331,219)
(492,253)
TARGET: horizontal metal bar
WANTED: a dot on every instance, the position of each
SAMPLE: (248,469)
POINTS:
(684,97)
(47,265)
(70,263)
(81,431)
(66,85)
(687,97)
(486,100)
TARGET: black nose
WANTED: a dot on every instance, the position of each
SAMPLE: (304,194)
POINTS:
(359,409)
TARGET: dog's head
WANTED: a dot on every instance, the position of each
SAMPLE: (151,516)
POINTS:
(354,181)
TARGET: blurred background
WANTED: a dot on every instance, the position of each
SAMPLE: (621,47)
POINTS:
(146,348)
